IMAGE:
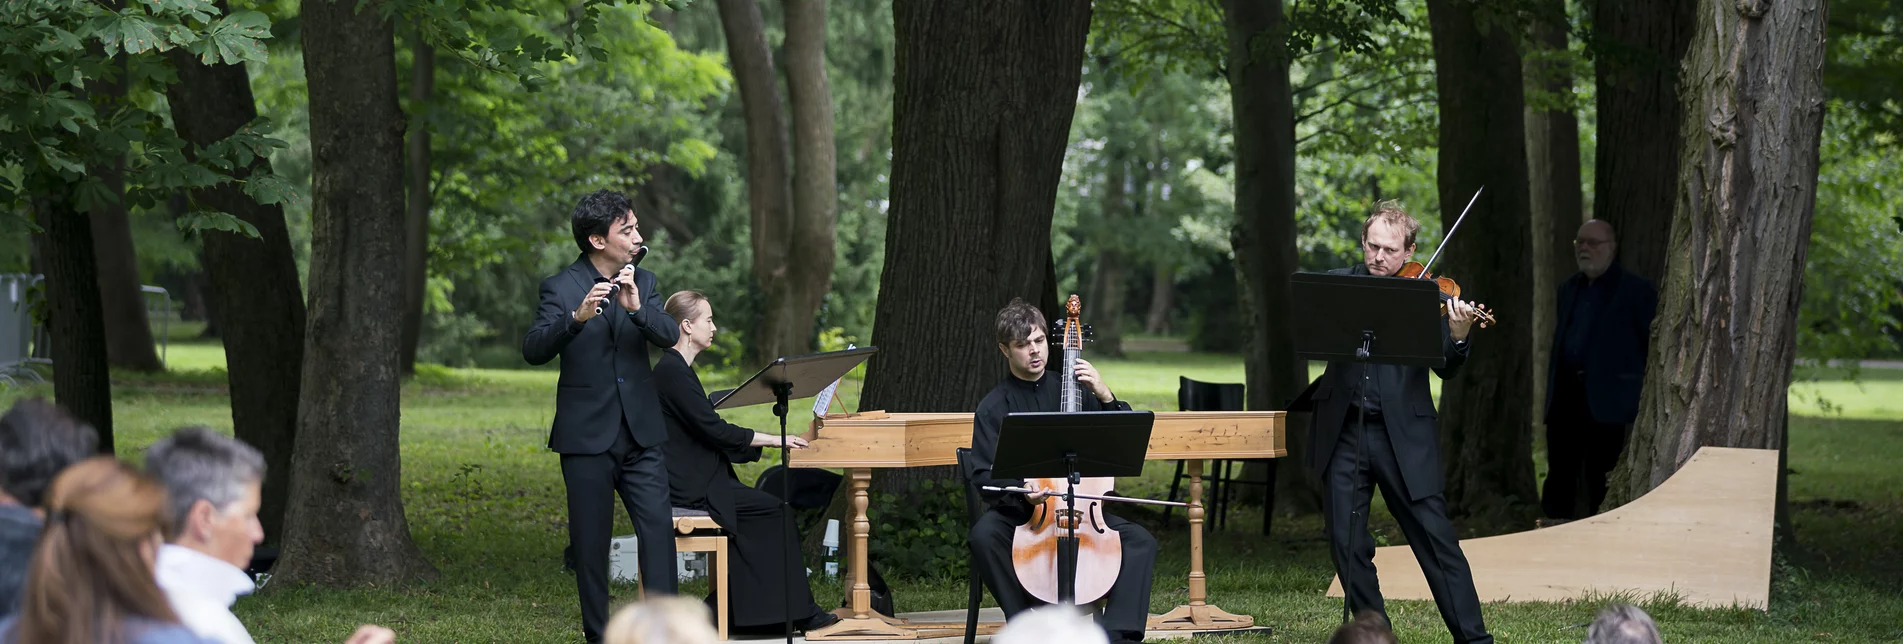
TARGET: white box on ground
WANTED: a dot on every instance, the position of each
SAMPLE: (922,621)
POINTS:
(624,561)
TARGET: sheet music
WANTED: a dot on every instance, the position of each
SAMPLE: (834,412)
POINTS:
(825,398)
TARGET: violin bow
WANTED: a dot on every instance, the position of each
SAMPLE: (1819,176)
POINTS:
(1450,231)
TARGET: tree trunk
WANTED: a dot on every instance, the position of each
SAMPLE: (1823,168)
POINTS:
(1553,182)
(416,215)
(1726,331)
(1264,237)
(983,99)
(1104,309)
(793,308)
(1162,301)
(122,302)
(345,525)
(82,381)
(1485,412)
(769,193)
(254,300)
(1638,45)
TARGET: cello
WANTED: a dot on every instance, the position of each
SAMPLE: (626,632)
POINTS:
(1035,549)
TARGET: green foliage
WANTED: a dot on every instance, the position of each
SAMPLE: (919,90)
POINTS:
(508,165)
(55,124)
(922,532)
(1851,298)
(1864,59)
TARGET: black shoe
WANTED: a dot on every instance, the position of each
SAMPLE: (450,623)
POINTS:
(818,621)
(1127,637)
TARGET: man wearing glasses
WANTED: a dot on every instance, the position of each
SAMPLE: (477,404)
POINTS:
(1595,373)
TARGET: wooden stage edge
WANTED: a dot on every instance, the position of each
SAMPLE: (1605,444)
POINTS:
(1704,535)
(948,627)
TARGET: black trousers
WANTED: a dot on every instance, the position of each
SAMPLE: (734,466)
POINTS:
(1126,608)
(1580,452)
(1363,459)
(766,566)
(640,476)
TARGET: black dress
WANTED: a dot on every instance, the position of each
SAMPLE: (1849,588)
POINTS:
(701,450)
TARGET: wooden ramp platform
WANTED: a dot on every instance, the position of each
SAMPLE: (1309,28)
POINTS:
(1704,534)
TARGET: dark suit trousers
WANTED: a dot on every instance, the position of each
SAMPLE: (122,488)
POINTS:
(592,480)
(1126,607)
(1580,452)
(1364,458)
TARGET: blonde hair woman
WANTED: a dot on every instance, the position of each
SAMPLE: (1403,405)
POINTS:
(90,580)
(661,620)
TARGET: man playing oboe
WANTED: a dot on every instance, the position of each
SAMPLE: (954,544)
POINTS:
(600,314)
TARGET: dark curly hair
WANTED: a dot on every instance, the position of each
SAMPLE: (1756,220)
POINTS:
(596,212)
(1016,321)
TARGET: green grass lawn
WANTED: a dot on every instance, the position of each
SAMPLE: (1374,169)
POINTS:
(485,504)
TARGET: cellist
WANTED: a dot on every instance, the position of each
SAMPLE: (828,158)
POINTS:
(1032,387)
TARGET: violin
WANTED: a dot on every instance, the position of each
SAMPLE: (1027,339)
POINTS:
(1034,545)
(1449,290)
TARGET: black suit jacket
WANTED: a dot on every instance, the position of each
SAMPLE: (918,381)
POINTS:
(1013,394)
(701,446)
(1620,335)
(1406,404)
(605,379)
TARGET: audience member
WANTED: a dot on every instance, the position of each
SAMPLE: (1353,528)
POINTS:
(1368,628)
(213,487)
(1054,624)
(37,440)
(90,579)
(661,619)
(214,484)
(1622,624)
(1595,373)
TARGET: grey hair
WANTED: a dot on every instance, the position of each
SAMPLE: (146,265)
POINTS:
(196,463)
(1051,625)
(1622,624)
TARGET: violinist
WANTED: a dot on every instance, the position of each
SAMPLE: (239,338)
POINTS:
(1032,387)
(701,450)
(1375,425)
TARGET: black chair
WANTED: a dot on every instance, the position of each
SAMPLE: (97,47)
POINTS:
(1195,395)
(974,506)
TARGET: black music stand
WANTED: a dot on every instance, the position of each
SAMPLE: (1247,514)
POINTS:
(1070,446)
(1372,320)
(1403,314)
(781,381)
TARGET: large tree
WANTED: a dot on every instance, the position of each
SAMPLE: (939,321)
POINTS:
(345,524)
(984,96)
(417,207)
(791,211)
(1258,71)
(1637,45)
(1553,178)
(1486,411)
(128,336)
(1726,332)
(254,292)
(74,319)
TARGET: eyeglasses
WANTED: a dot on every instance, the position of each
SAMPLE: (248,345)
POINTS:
(1590,243)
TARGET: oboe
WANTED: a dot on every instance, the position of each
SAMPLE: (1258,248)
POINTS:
(639,253)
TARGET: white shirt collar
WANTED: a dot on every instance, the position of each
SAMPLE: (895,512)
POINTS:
(201,589)
(184,569)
